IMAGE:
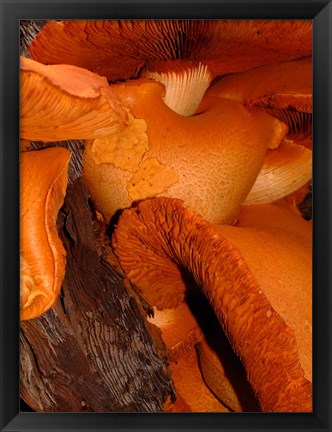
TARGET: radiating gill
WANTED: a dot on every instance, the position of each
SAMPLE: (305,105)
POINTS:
(298,122)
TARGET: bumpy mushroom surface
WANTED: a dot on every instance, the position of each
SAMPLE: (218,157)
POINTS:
(199,159)
(63,102)
(185,56)
(284,90)
(257,331)
(43,186)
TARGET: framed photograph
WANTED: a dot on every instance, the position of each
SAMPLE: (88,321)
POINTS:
(165,215)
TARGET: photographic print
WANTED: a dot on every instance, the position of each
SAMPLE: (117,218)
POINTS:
(166,216)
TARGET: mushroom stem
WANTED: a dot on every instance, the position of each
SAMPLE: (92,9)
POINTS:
(257,333)
(185,85)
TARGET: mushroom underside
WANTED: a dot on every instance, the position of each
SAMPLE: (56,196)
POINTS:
(163,230)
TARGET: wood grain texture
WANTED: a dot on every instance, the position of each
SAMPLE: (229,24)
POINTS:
(93,351)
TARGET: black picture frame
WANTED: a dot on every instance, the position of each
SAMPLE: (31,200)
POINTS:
(321,13)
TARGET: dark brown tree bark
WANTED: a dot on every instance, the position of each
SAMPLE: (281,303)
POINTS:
(94,350)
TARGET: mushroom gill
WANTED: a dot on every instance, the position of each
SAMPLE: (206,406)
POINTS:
(180,53)
(43,186)
(199,159)
(63,102)
(260,329)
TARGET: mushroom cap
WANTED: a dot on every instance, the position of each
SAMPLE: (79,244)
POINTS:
(63,102)
(120,49)
(258,333)
(282,85)
(43,258)
(199,159)
(284,90)
(277,246)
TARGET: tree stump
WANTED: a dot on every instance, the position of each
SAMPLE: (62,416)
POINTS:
(94,350)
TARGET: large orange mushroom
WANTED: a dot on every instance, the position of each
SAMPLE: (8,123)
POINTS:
(56,103)
(260,316)
(193,158)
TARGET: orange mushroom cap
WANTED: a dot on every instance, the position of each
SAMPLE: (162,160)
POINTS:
(185,55)
(210,160)
(283,90)
(282,85)
(64,102)
(277,246)
(43,186)
(120,49)
(258,334)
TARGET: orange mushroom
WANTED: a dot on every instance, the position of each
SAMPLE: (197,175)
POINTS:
(284,90)
(140,141)
(181,332)
(190,326)
(261,332)
(185,55)
(191,388)
(43,186)
(64,102)
(179,328)
(199,159)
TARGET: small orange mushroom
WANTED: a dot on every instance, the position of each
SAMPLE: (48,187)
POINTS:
(224,375)
(181,333)
(43,186)
(179,329)
(191,387)
(190,326)
(64,102)
(256,328)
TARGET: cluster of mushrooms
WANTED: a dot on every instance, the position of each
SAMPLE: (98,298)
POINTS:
(198,135)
